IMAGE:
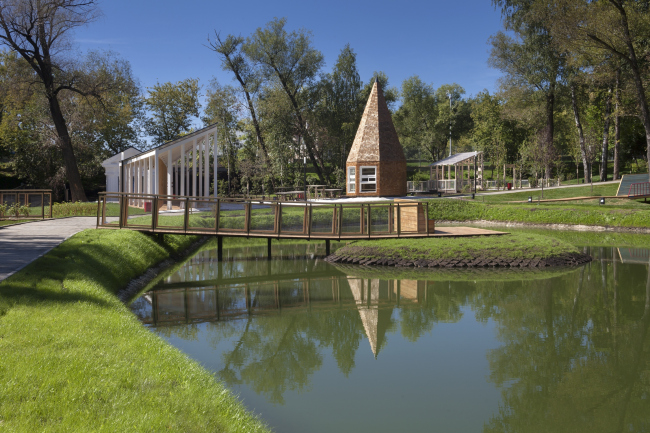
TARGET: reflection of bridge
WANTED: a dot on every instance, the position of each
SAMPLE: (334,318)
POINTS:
(269,219)
(374,299)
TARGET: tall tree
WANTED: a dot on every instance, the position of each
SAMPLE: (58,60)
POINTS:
(99,127)
(223,107)
(341,105)
(617,28)
(39,31)
(531,58)
(247,75)
(416,118)
(172,106)
(290,58)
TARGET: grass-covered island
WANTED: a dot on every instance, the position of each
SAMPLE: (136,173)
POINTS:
(513,250)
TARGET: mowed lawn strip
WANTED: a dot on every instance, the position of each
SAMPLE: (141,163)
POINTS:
(575,214)
(555,193)
(506,247)
(74,358)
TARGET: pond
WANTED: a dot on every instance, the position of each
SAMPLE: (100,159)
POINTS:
(313,347)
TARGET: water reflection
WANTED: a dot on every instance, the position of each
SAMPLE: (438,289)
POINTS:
(567,353)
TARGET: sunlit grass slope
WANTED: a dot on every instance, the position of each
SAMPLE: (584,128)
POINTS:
(74,358)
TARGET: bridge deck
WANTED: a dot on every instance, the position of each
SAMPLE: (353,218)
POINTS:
(273,220)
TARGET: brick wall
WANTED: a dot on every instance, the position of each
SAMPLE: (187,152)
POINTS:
(391,178)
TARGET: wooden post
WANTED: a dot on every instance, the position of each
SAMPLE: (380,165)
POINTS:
(99,214)
(327,247)
(219,248)
(186,214)
(340,220)
(399,221)
(369,226)
(426,218)
(279,219)
(268,248)
(309,222)
(218,216)
(154,212)
(247,216)
(43,206)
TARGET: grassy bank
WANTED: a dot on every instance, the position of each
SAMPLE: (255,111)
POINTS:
(507,247)
(74,358)
(11,222)
(594,215)
(554,193)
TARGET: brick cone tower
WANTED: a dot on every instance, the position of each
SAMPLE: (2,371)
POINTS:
(376,165)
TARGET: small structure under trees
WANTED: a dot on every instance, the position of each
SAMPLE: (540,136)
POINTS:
(376,165)
(440,175)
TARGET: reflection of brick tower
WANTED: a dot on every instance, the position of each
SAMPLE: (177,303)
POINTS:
(376,165)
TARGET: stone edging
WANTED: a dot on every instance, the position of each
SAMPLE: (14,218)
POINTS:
(567,259)
(137,284)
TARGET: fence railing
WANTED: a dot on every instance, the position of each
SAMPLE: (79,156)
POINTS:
(25,204)
(420,186)
(231,217)
(641,189)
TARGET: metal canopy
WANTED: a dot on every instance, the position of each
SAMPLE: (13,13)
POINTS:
(456,159)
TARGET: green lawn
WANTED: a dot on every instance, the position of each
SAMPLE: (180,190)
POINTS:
(507,247)
(555,193)
(553,213)
(74,358)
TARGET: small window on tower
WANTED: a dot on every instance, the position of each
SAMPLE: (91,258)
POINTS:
(352,184)
(368,179)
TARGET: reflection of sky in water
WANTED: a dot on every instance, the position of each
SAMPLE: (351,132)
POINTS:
(314,349)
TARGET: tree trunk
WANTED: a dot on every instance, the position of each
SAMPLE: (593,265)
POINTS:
(604,152)
(617,124)
(581,135)
(550,127)
(638,81)
(71,169)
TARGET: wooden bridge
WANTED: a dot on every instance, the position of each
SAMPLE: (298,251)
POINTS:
(163,214)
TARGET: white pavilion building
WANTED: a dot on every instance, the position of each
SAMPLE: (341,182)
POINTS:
(178,168)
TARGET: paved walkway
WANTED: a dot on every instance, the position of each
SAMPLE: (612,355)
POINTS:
(21,244)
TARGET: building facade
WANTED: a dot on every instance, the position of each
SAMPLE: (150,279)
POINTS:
(376,165)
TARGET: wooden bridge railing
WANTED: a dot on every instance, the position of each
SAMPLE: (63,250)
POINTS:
(268,219)
(25,203)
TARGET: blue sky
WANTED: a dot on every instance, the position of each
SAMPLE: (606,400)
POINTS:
(442,42)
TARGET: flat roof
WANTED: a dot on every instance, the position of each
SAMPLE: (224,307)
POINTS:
(457,158)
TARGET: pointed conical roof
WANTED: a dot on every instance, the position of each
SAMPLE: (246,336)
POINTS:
(376,138)
(376,321)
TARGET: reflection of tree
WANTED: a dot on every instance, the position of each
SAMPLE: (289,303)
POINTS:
(442,304)
(273,359)
(342,332)
(569,362)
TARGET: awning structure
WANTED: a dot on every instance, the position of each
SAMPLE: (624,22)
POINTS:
(459,158)
(470,161)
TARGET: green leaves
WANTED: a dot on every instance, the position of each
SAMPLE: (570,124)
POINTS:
(172,106)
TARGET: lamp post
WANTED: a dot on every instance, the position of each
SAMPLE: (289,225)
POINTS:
(449,96)
(304,178)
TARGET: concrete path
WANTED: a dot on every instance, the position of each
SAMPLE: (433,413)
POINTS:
(21,244)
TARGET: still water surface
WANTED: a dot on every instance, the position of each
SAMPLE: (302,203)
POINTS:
(314,347)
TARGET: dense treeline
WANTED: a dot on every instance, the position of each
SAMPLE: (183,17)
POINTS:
(571,101)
